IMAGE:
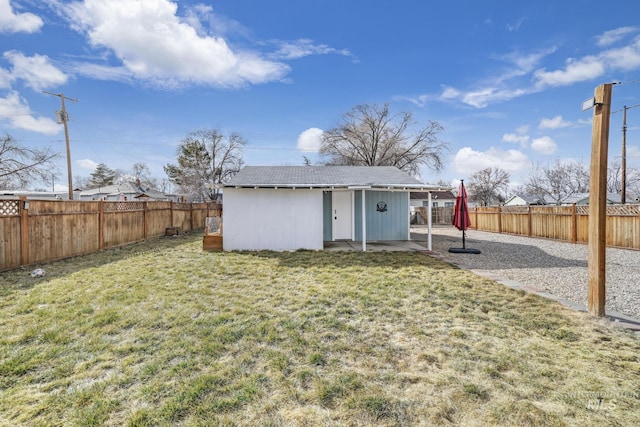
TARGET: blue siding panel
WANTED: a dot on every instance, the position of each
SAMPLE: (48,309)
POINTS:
(387,215)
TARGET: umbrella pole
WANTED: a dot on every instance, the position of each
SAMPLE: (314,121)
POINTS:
(464,229)
(461,220)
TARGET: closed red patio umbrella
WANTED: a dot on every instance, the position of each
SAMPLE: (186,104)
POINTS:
(461,219)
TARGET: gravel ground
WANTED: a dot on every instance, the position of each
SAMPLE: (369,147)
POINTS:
(559,268)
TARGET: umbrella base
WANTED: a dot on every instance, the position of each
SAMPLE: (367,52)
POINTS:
(464,251)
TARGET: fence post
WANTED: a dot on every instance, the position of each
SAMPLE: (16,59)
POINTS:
(24,232)
(574,224)
(190,216)
(476,215)
(499,219)
(171,209)
(101,224)
(144,219)
(530,220)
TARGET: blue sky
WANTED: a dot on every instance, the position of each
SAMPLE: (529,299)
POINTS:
(506,79)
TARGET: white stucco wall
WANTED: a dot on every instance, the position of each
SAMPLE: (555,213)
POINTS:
(272,219)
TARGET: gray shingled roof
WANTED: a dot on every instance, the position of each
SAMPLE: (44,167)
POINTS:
(325,177)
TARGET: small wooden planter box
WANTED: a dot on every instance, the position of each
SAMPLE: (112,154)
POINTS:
(212,242)
(172,231)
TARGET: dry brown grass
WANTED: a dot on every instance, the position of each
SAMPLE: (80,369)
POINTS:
(162,333)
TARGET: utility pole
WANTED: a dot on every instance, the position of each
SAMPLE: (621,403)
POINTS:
(596,261)
(623,178)
(64,118)
(623,172)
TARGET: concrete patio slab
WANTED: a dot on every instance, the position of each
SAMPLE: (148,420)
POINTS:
(389,246)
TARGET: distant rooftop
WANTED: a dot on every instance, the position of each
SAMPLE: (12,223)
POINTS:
(326,177)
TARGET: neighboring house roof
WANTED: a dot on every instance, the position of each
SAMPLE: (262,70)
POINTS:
(440,195)
(570,199)
(35,195)
(583,199)
(387,177)
(526,199)
(612,198)
(126,188)
(616,198)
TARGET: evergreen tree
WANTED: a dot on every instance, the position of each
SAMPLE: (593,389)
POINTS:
(102,176)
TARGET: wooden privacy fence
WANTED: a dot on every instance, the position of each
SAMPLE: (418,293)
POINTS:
(568,223)
(36,231)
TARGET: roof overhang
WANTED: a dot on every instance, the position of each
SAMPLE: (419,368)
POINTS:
(378,187)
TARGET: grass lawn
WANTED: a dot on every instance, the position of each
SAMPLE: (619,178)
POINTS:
(162,333)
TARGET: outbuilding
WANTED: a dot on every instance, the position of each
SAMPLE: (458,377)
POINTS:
(285,208)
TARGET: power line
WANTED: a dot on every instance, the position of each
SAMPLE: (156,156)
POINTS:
(629,82)
(627,108)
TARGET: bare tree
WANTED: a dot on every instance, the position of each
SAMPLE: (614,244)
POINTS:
(488,185)
(206,158)
(444,184)
(558,182)
(614,178)
(20,166)
(369,135)
(82,182)
(139,173)
(614,181)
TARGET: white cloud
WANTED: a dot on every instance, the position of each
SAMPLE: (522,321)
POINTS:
(522,140)
(521,77)
(555,123)
(499,88)
(193,14)
(469,161)
(544,145)
(156,45)
(587,68)
(520,137)
(488,95)
(15,110)
(515,26)
(102,72)
(5,79)
(523,63)
(12,22)
(304,47)
(87,164)
(450,93)
(37,71)
(626,58)
(310,140)
(609,37)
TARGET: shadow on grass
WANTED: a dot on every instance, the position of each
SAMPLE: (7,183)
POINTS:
(511,255)
(347,259)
